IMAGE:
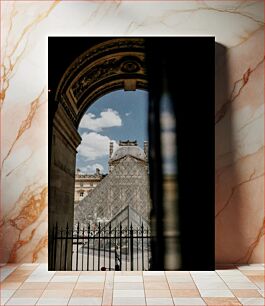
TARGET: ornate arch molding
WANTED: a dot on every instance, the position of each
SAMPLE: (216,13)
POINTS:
(114,64)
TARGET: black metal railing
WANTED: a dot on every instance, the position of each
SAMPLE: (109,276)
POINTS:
(100,247)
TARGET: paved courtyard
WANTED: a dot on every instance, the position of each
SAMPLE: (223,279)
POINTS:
(33,284)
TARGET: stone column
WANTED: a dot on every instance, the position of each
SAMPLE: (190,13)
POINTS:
(65,140)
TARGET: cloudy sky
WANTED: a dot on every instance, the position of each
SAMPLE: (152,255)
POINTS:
(120,115)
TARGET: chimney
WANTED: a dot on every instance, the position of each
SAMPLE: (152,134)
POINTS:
(146,148)
(97,171)
(110,149)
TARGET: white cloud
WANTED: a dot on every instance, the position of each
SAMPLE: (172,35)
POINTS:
(94,145)
(108,118)
(92,168)
(127,114)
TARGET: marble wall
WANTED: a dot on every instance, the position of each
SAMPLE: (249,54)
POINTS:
(237,25)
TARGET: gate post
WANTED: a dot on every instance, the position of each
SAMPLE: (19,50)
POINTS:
(131,246)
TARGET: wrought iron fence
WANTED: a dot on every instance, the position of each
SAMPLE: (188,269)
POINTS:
(100,247)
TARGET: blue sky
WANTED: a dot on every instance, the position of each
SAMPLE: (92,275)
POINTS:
(120,115)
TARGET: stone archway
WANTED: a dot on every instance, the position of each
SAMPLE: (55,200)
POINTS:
(114,64)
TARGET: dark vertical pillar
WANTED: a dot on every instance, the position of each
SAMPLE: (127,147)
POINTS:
(182,69)
(156,191)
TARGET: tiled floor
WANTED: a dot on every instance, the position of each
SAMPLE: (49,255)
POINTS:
(33,284)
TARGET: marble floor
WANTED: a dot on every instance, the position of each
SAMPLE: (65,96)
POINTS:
(33,284)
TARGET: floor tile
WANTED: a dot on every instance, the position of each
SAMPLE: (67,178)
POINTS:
(60,286)
(171,273)
(203,273)
(250,267)
(108,285)
(230,272)
(53,301)
(35,284)
(205,278)
(151,273)
(44,266)
(185,293)
(89,285)
(21,272)
(157,293)
(107,297)
(13,278)
(260,285)
(129,273)
(128,293)
(56,293)
(130,286)
(251,301)
(253,272)
(159,301)
(85,301)
(128,279)
(38,279)
(28,293)
(215,280)
(241,285)
(154,278)
(131,301)
(235,279)
(182,286)
(22,301)
(69,273)
(246,293)
(261,292)
(64,279)
(179,279)
(216,293)
(188,301)
(5,272)
(6,293)
(211,285)
(218,301)
(28,266)
(3,300)
(28,285)
(92,278)
(110,274)
(156,285)
(42,272)
(87,293)
(256,278)
(9,285)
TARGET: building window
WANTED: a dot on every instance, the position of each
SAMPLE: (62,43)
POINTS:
(81,184)
(81,194)
(91,184)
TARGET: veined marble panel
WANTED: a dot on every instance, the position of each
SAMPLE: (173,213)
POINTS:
(237,25)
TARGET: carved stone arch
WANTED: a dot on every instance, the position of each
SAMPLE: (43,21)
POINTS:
(112,65)
(108,66)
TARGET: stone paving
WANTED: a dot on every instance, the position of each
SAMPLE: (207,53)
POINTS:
(33,284)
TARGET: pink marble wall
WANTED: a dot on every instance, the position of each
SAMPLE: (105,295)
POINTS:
(240,154)
(237,25)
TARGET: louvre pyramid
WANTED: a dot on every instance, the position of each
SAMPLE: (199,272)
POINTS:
(126,186)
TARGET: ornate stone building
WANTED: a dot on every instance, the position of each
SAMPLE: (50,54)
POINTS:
(121,197)
(85,183)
